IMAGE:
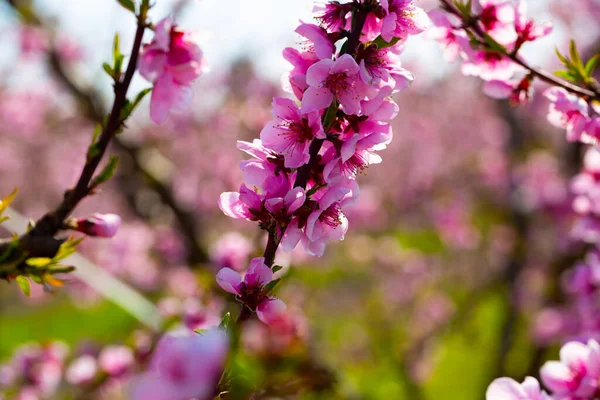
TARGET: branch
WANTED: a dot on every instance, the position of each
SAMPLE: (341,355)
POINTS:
(53,221)
(90,101)
(470,25)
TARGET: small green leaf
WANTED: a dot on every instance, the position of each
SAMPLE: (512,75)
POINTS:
(200,331)
(225,322)
(24,284)
(277,268)
(565,75)
(561,57)
(108,69)
(591,65)
(5,202)
(128,4)
(38,262)
(140,97)
(108,171)
(382,44)
(271,285)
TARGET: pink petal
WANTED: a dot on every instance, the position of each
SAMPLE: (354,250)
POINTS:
(505,389)
(229,280)
(259,272)
(316,99)
(345,63)
(324,48)
(230,204)
(271,310)
(295,199)
(318,72)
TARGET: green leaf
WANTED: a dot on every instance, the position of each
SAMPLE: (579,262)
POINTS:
(591,65)
(200,331)
(38,262)
(108,171)
(5,202)
(277,268)
(271,285)
(24,284)
(225,322)
(128,4)
(382,44)
(108,69)
(574,53)
(564,74)
(140,97)
(561,57)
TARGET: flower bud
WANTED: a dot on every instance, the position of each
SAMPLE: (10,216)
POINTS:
(101,225)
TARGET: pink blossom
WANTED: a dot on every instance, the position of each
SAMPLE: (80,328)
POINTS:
(231,250)
(333,15)
(258,275)
(509,389)
(577,372)
(497,18)
(172,61)
(101,225)
(327,222)
(183,367)
(403,18)
(329,80)
(295,81)
(116,360)
(319,42)
(528,30)
(291,132)
(382,65)
(518,91)
(82,370)
(443,31)
(488,65)
(569,112)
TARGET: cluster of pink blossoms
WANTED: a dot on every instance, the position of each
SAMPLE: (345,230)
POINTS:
(304,166)
(37,372)
(575,376)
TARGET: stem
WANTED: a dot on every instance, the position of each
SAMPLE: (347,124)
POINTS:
(271,249)
(473,27)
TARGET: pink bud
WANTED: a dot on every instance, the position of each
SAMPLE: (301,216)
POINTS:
(116,360)
(102,225)
(82,370)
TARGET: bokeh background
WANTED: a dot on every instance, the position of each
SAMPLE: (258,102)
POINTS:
(451,272)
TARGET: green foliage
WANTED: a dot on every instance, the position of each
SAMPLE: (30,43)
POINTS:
(575,70)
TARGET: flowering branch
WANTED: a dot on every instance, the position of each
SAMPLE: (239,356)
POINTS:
(39,241)
(470,26)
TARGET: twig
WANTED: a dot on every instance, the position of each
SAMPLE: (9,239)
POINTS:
(473,27)
(53,221)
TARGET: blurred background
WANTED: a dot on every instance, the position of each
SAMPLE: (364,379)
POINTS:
(453,270)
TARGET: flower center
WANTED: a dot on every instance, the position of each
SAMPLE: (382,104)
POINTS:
(337,83)
(332,216)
